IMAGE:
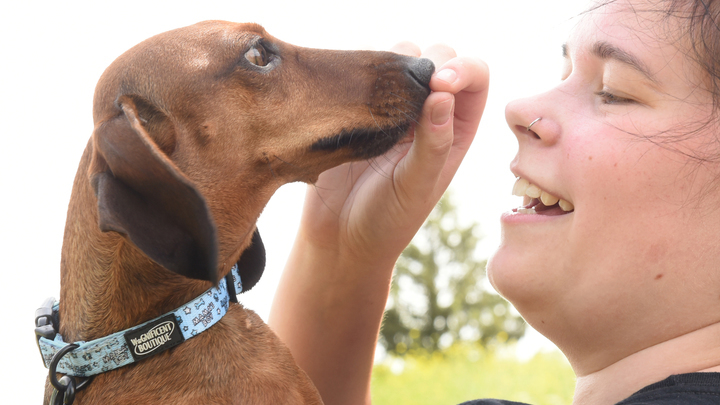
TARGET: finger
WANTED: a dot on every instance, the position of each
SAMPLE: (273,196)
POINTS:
(418,173)
(468,79)
(406,48)
(461,74)
(439,54)
(471,87)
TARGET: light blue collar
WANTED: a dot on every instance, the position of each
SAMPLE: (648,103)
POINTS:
(134,344)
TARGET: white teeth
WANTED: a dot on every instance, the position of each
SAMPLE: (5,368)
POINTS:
(533,191)
(524,188)
(520,186)
(548,199)
(566,206)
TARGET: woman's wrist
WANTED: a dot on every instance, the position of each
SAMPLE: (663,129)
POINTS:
(328,310)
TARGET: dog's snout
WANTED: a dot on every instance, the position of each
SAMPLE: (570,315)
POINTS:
(421,69)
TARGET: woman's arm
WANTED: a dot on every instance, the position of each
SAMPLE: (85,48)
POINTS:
(357,219)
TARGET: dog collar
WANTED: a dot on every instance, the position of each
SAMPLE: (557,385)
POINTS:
(139,342)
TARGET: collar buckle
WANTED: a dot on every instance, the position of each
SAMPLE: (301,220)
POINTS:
(47,323)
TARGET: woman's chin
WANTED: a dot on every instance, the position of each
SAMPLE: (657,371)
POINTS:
(520,279)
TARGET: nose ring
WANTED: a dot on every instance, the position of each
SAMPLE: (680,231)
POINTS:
(533,123)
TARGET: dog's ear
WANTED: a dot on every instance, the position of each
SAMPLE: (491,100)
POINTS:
(252,262)
(144,196)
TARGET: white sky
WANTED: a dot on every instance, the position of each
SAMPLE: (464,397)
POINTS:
(52,53)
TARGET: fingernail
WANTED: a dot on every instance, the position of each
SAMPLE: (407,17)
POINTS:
(447,75)
(441,112)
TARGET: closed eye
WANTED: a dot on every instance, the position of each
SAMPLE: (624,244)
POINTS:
(609,98)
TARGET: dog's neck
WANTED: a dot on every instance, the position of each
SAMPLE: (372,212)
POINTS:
(107,284)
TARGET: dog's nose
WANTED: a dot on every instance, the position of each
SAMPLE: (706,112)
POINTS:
(421,69)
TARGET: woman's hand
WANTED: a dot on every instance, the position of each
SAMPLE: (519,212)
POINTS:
(357,219)
(369,211)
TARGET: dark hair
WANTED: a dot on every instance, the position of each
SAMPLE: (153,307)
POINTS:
(701,18)
(699,29)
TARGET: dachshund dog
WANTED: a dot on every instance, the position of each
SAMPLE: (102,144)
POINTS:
(194,131)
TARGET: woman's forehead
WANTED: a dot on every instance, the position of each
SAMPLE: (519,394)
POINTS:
(626,23)
(640,34)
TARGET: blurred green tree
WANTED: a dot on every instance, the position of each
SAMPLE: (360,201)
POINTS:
(438,296)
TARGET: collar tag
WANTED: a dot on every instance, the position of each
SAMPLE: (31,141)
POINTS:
(154,337)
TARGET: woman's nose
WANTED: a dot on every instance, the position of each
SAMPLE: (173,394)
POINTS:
(533,119)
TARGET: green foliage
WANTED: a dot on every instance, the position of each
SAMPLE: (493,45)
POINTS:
(463,373)
(437,297)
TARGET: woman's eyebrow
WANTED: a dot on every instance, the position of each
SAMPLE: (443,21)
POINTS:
(605,50)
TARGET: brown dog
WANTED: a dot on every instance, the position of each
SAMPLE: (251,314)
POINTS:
(194,131)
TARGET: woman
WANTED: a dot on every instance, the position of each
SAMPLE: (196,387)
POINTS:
(622,277)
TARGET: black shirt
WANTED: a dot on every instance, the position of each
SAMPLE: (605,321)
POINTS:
(683,389)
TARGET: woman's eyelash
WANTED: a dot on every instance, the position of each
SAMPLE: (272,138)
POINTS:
(609,98)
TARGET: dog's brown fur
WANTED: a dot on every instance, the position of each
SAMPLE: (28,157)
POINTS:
(190,142)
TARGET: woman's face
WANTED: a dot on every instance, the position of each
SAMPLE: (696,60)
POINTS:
(634,263)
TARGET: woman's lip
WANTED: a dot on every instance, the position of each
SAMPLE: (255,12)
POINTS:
(515,217)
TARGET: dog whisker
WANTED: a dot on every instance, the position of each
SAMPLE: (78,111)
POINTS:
(394,125)
(411,103)
(387,159)
(376,123)
(350,172)
(408,116)
(286,162)
(316,188)
(338,140)
(269,163)
(377,167)
(354,131)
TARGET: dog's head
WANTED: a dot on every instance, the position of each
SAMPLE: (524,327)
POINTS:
(197,127)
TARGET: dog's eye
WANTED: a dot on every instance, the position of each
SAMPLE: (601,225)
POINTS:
(257,55)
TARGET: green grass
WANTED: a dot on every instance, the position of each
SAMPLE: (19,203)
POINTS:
(466,373)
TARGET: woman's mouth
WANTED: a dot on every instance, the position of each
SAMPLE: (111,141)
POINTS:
(539,202)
